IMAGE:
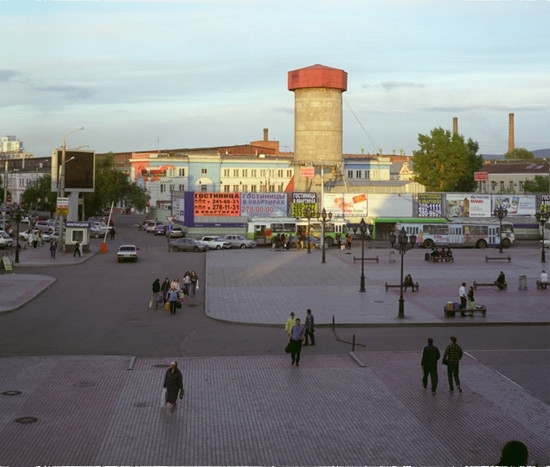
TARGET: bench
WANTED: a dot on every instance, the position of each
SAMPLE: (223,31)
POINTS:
(541,285)
(496,258)
(488,284)
(358,258)
(397,286)
(481,309)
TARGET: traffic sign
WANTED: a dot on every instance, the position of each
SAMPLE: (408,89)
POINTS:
(169,219)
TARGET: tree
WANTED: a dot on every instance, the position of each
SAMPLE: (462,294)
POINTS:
(540,184)
(519,153)
(445,162)
(39,196)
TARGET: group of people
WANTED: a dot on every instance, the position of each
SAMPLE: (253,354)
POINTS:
(440,256)
(171,294)
(451,358)
(299,334)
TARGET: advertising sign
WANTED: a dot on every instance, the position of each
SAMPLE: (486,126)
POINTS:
(516,205)
(217,204)
(62,208)
(346,204)
(307,172)
(264,204)
(429,205)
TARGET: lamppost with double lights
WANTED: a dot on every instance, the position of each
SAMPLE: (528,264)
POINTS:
(401,243)
(362,226)
(500,213)
(309,212)
(16,213)
(61,187)
(542,218)
(324,216)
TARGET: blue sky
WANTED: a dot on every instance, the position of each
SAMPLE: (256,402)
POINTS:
(142,75)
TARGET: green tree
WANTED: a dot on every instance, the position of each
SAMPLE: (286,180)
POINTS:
(519,153)
(38,195)
(540,184)
(445,162)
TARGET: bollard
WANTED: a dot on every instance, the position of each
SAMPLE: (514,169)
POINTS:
(103,248)
(522,282)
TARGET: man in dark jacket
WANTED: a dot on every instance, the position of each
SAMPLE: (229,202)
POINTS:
(430,356)
(451,357)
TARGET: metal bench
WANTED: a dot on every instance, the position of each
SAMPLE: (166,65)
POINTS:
(496,258)
(541,285)
(358,258)
(397,286)
(481,309)
(488,284)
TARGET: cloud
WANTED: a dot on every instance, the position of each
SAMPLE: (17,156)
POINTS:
(9,75)
(391,85)
(68,92)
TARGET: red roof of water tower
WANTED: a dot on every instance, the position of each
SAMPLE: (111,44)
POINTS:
(317,76)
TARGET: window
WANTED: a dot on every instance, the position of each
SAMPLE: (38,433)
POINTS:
(226,172)
(163,188)
(235,188)
(511,186)
(367,174)
(262,172)
(501,186)
(358,174)
(181,172)
(204,171)
(289,173)
(226,188)
(204,187)
(171,172)
(280,173)
(350,173)
(521,187)
(245,173)
(253,173)
(236,173)
(181,187)
(244,188)
(253,189)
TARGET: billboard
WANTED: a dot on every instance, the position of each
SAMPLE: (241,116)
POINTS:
(79,170)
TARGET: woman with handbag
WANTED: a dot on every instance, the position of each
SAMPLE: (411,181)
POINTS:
(173,383)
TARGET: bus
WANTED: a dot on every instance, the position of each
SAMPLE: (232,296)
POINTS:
(461,233)
(264,230)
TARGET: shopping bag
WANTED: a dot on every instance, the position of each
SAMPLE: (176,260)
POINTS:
(166,306)
(288,347)
(151,303)
(163,398)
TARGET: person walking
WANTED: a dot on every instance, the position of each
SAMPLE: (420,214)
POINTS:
(430,356)
(194,285)
(501,281)
(309,326)
(77,250)
(173,383)
(53,248)
(471,300)
(156,292)
(112,232)
(165,288)
(173,299)
(290,322)
(451,358)
(463,298)
(297,333)
(543,279)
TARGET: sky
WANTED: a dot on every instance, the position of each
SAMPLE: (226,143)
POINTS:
(148,75)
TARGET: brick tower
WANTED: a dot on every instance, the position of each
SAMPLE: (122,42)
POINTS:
(317,119)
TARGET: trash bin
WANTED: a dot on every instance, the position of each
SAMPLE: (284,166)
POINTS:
(392,256)
(522,282)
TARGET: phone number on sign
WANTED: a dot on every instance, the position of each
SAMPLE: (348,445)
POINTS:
(257,209)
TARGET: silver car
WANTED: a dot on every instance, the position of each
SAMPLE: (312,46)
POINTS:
(216,243)
(188,244)
(239,241)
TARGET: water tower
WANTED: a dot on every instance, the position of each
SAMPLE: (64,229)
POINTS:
(317,119)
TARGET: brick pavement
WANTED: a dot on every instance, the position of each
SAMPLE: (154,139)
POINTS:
(261,411)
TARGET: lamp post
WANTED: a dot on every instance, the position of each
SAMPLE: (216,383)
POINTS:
(16,213)
(542,218)
(323,215)
(501,213)
(308,214)
(362,226)
(400,242)
(61,187)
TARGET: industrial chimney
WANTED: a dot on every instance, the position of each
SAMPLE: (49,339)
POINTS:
(511,142)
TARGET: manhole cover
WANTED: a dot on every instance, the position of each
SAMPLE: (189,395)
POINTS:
(84,384)
(11,393)
(26,420)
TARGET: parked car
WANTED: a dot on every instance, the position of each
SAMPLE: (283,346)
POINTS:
(150,226)
(216,243)
(26,234)
(98,229)
(188,244)
(160,229)
(177,232)
(314,242)
(45,226)
(239,241)
(127,253)
(5,240)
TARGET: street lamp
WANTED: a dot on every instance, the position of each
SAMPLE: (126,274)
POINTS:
(362,226)
(400,242)
(17,213)
(542,218)
(323,215)
(61,187)
(501,213)
(309,212)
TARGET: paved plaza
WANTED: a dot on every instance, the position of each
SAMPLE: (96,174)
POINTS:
(361,408)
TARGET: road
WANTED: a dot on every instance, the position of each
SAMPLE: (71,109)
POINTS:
(101,308)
